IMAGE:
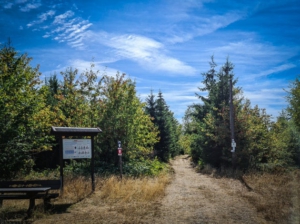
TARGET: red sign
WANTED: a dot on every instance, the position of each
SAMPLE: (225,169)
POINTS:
(119,151)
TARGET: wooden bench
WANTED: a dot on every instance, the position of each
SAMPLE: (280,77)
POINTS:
(31,189)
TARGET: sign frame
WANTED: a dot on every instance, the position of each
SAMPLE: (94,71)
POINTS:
(64,133)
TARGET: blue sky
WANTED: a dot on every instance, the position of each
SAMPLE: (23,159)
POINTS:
(163,44)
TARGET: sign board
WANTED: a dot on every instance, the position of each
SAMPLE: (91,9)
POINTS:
(233,144)
(77,148)
(119,152)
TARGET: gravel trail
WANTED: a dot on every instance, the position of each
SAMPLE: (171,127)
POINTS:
(198,198)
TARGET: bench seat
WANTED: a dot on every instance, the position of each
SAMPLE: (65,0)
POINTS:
(49,189)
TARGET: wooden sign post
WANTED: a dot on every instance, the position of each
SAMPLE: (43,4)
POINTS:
(120,158)
(76,148)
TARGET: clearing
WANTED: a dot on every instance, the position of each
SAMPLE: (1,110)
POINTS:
(190,198)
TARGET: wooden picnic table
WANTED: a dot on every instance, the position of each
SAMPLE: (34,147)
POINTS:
(25,192)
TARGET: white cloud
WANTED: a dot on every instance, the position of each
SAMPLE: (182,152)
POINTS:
(276,69)
(30,6)
(42,17)
(149,53)
(71,32)
(9,5)
(179,10)
(202,26)
(64,27)
(60,19)
(253,59)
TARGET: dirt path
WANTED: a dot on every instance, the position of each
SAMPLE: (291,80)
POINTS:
(190,198)
(197,198)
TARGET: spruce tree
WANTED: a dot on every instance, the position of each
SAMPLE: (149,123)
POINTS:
(212,140)
(163,118)
(151,106)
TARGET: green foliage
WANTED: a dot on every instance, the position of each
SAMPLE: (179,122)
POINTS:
(46,174)
(293,99)
(169,130)
(261,143)
(29,109)
(208,125)
(23,133)
(285,142)
(146,167)
(78,167)
(123,118)
(253,136)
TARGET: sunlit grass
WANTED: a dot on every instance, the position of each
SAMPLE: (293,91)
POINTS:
(132,189)
(278,195)
(130,197)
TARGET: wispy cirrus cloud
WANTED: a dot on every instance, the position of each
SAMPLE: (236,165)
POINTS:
(42,17)
(255,59)
(274,70)
(29,6)
(201,26)
(24,5)
(61,19)
(65,27)
(250,49)
(148,52)
(267,94)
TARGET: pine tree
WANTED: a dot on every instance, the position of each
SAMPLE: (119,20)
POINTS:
(151,106)
(212,133)
(163,118)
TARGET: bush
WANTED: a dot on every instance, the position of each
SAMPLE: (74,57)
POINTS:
(144,167)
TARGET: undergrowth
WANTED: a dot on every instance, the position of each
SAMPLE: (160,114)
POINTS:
(276,195)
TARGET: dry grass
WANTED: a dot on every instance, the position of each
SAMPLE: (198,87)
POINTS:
(278,196)
(76,188)
(130,189)
(114,201)
(275,196)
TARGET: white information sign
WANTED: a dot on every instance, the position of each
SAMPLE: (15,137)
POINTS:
(77,148)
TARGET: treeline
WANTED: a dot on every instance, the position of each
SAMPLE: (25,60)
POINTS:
(28,108)
(261,143)
(149,132)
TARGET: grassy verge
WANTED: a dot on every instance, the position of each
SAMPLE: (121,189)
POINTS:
(128,200)
(274,195)
(278,196)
